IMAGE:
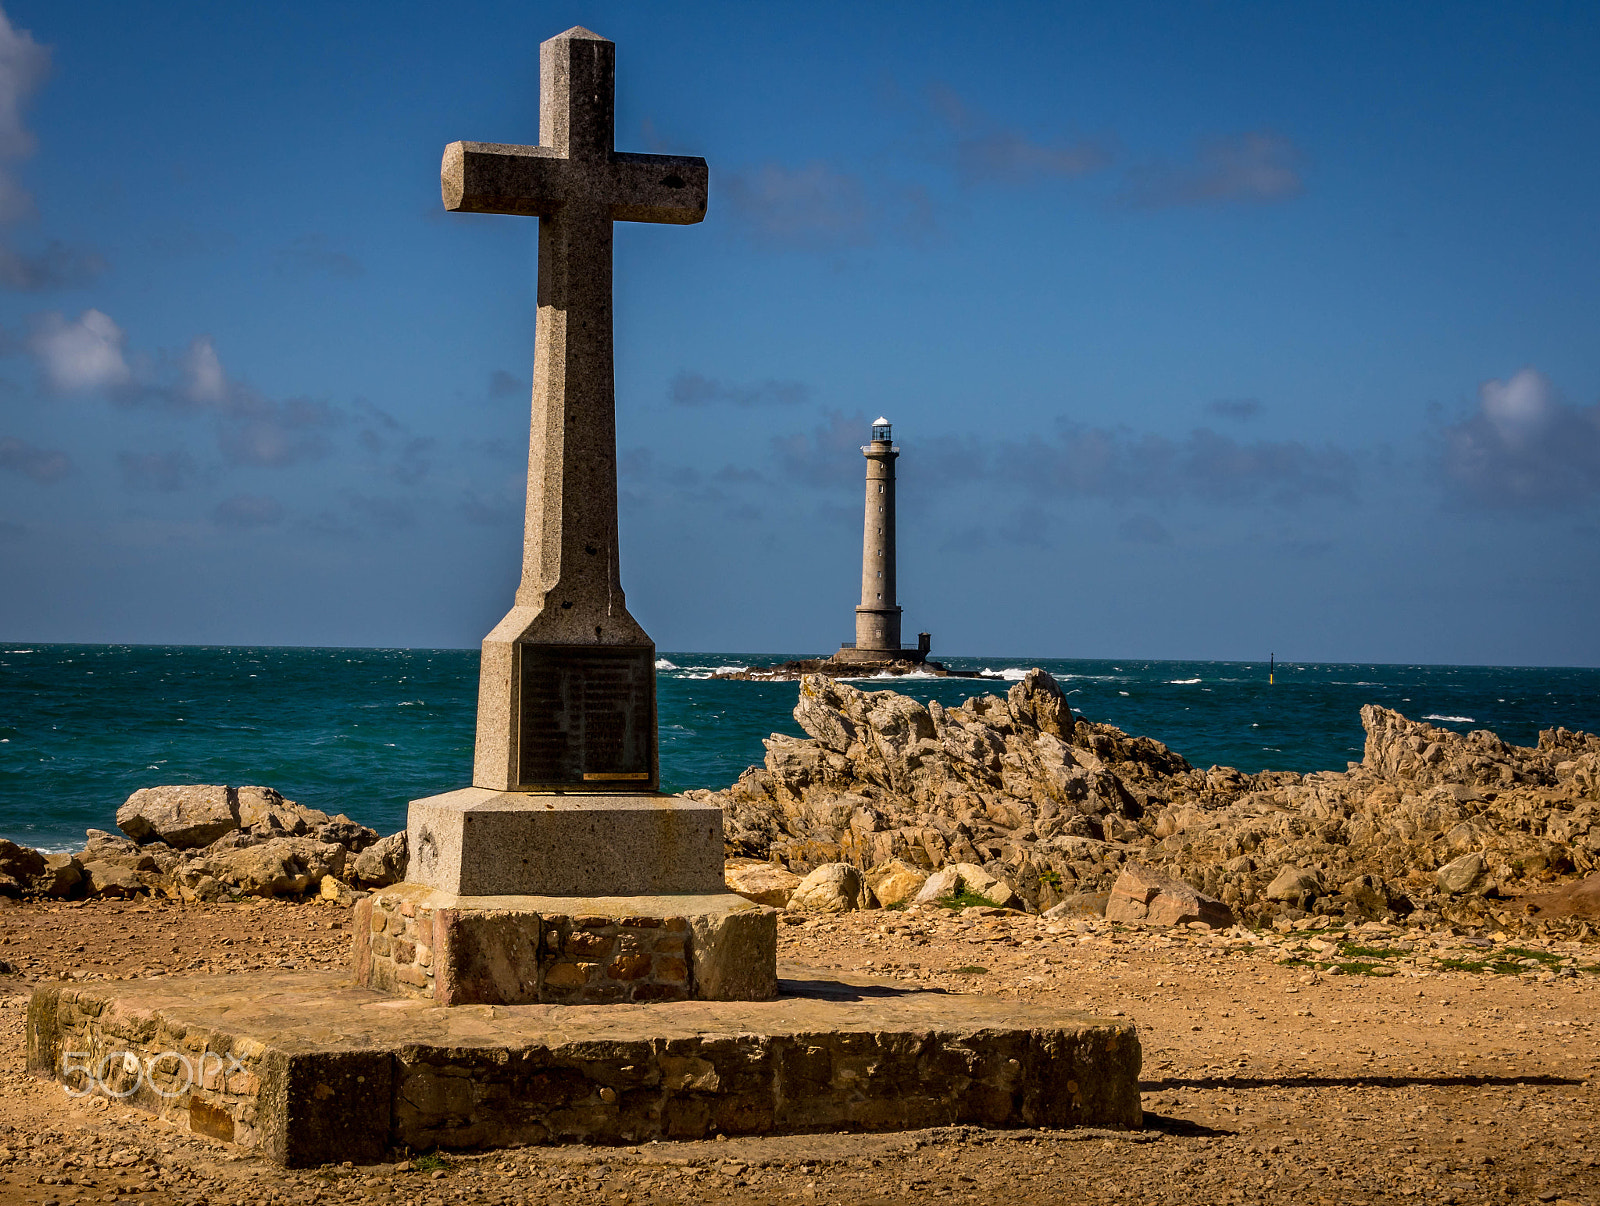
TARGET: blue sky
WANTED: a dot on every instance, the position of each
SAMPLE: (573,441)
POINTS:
(1207,330)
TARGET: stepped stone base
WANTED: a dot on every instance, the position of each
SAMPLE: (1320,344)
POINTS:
(520,950)
(306,1068)
(479,842)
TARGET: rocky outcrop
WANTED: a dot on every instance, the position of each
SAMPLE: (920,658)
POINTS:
(209,842)
(1057,806)
(1144,894)
(832,888)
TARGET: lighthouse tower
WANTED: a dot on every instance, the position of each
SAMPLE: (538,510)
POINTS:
(878,617)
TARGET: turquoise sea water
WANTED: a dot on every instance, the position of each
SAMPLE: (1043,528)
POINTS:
(361,731)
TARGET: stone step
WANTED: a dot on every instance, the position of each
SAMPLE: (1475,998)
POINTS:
(306,1068)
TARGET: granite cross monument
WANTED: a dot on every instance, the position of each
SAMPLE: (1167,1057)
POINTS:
(564,825)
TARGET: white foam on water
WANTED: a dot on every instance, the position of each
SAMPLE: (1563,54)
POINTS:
(663,664)
(1182,682)
(1010,673)
(1121,692)
(22,651)
(404,703)
(708,671)
(1451,719)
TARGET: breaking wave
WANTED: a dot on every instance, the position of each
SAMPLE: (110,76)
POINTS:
(1450,719)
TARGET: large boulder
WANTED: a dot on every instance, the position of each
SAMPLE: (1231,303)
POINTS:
(182,817)
(762,883)
(1144,894)
(19,867)
(895,882)
(382,863)
(1294,885)
(971,881)
(1463,874)
(832,888)
(288,866)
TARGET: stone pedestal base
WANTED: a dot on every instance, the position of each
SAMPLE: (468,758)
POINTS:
(478,842)
(518,950)
(305,1069)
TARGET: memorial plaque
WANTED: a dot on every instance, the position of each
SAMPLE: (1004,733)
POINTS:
(588,718)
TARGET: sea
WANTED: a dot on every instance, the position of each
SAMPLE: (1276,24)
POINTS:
(362,731)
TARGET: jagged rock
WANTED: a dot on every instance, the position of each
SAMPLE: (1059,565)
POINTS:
(115,880)
(965,879)
(833,888)
(278,867)
(19,867)
(62,876)
(382,863)
(1057,805)
(336,891)
(763,883)
(1144,894)
(1374,899)
(182,817)
(1079,904)
(895,882)
(1462,874)
(1294,885)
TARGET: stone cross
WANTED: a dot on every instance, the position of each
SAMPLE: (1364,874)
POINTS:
(566,694)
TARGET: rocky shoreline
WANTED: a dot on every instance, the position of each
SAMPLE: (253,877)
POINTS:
(209,843)
(1006,801)
(1430,827)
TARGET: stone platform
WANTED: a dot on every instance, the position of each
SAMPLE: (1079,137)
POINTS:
(479,842)
(522,950)
(305,1068)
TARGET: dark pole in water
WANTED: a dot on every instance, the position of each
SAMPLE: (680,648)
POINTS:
(1272,668)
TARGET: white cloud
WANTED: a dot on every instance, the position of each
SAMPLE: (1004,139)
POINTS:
(1523,447)
(23,67)
(203,378)
(81,355)
(1259,166)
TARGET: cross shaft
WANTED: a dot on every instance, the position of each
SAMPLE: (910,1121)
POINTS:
(577,185)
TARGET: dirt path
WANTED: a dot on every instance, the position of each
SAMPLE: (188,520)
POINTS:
(1269,1076)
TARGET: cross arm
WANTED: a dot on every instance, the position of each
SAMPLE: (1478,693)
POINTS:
(500,178)
(659,188)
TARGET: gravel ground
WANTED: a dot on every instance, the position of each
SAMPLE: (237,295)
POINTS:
(1353,1066)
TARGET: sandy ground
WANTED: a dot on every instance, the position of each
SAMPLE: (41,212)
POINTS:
(1315,1066)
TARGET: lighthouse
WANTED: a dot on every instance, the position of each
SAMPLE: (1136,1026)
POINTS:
(878,617)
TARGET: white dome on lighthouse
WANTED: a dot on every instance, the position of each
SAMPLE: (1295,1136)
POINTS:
(880,421)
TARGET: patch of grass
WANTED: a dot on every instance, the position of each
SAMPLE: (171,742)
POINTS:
(1545,957)
(1351,951)
(429,1162)
(1356,969)
(1296,963)
(1466,965)
(1592,969)
(964,900)
(972,969)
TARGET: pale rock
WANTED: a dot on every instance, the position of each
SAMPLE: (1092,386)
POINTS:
(336,891)
(185,817)
(278,867)
(1078,904)
(832,888)
(971,880)
(1293,885)
(762,883)
(1462,874)
(895,882)
(1144,894)
(383,863)
(112,879)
